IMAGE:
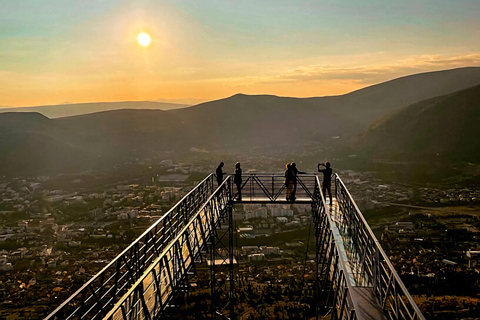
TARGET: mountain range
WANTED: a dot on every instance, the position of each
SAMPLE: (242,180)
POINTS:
(31,143)
(67,110)
(444,127)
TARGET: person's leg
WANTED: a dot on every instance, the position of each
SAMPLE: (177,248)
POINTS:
(239,192)
(330,194)
(294,191)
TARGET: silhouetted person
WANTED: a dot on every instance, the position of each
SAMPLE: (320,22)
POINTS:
(327,179)
(289,176)
(295,173)
(237,179)
(219,173)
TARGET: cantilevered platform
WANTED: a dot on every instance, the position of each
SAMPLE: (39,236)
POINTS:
(354,277)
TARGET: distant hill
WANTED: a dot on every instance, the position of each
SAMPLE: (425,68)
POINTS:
(30,142)
(379,100)
(136,133)
(66,110)
(444,128)
(264,120)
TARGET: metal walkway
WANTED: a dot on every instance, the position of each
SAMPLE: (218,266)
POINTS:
(354,277)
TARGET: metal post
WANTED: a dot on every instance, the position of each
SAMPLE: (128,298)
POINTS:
(212,262)
(231,262)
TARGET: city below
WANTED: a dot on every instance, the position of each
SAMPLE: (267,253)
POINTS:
(53,239)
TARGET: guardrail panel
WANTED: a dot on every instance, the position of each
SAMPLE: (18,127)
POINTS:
(116,278)
(172,265)
(368,256)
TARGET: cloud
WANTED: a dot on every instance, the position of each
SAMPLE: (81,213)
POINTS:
(471,59)
(186,101)
(195,149)
(373,73)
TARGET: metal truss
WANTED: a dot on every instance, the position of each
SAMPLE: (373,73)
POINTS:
(269,187)
(168,275)
(222,261)
(144,280)
(98,296)
(350,257)
(334,286)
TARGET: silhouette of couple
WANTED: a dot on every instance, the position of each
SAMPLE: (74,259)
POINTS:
(290,181)
(237,179)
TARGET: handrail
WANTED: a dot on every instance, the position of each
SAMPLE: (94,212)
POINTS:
(153,288)
(269,187)
(142,279)
(333,227)
(391,292)
(331,249)
(117,276)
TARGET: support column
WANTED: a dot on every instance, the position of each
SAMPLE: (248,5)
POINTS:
(222,259)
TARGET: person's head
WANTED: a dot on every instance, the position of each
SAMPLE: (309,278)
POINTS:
(221,164)
(237,165)
(327,164)
(294,165)
(287,166)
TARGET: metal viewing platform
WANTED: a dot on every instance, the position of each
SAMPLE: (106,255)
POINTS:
(354,277)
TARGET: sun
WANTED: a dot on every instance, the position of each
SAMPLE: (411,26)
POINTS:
(144,39)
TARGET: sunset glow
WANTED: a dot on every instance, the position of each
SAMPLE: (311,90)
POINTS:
(53,54)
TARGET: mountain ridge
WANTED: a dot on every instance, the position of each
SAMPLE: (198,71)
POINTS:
(240,123)
(73,109)
(444,127)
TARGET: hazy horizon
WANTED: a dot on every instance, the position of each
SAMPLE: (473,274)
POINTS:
(181,105)
(60,52)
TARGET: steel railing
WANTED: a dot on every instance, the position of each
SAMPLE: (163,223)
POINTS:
(140,282)
(332,270)
(371,266)
(98,296)
(264,187)
(151,293)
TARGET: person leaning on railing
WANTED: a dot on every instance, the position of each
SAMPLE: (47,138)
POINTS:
(295,173)
(327,179)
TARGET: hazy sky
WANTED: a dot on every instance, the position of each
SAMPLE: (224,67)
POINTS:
(67,51)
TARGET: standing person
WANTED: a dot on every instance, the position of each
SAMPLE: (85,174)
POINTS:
(327,179)
(288,181)
(219,173)
(238,180)
(295,173)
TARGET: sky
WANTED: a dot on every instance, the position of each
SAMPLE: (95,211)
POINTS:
(71,51)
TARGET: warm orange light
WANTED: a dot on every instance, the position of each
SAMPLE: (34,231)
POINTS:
(144,39)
